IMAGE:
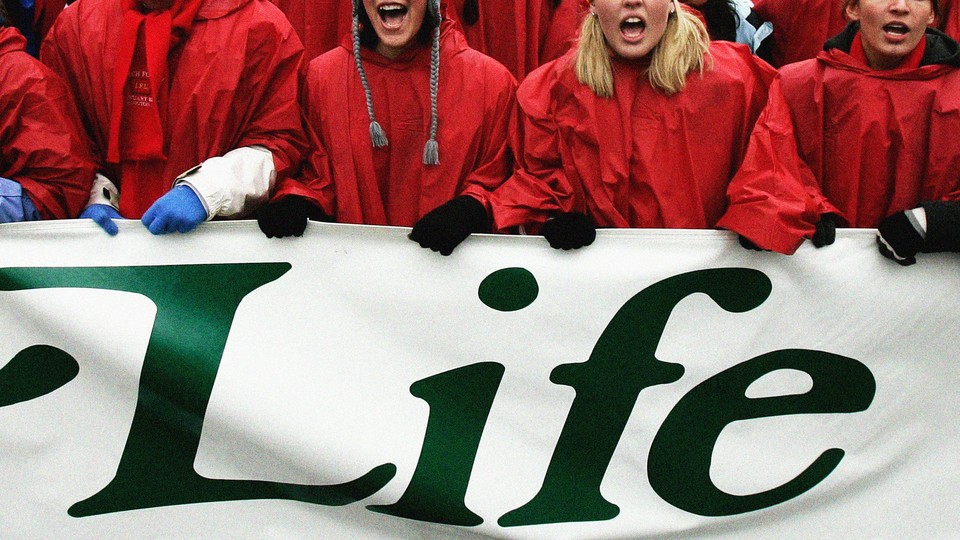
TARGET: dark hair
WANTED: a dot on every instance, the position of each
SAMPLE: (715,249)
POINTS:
(369,39)
(721,19)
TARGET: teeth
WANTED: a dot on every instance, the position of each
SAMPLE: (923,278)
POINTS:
(391,8)
(632,20)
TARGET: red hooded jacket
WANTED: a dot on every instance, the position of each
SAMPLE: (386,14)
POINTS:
(232,83)
(639,159)
(41,139)
(357,183)
(838,137)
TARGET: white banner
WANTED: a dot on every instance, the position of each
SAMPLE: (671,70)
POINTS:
(348,384)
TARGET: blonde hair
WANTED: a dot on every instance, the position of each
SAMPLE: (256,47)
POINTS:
(684,47)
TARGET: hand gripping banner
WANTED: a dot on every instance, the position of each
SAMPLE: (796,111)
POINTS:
(349,384)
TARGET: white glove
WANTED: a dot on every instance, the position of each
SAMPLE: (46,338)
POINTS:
(233,184)
(104,192)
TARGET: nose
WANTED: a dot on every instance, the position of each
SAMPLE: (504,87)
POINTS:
(900,6)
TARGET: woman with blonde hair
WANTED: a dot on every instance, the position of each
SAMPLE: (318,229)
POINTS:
(642,125)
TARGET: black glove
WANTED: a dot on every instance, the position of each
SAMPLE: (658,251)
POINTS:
(443,228)
(826,231)
(943,226)
(288,216)
(748,244)
(569,230)
(901,236)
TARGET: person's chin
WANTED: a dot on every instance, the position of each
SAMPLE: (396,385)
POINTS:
(631,51)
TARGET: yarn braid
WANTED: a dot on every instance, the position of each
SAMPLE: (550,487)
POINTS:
(377,136)
(431,151)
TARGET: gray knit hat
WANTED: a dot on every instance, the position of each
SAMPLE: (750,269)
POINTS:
(431,153)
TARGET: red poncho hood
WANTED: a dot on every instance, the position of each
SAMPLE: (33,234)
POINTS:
(11,40)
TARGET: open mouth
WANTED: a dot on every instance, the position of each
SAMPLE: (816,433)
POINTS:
(896,29)
(392,15)
(632,28)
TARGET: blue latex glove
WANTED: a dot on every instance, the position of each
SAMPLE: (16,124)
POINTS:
(15,205)
(103,214)
(179,210)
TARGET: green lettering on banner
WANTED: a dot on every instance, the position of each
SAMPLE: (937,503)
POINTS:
(195,309)
(679,463)
(460,402)
(621,365)
(509,289)
(34,372)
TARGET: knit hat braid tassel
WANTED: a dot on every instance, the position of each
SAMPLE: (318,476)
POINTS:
(431,151)
(377,136)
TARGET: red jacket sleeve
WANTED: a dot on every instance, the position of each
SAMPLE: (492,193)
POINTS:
(275,118)
(774,199)
(42,142)
(494,161)
(539,186)
(315,181)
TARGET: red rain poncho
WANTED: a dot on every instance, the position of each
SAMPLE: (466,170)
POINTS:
(357,183)
(41,140)
(639,159)
(233,83)
(838,137)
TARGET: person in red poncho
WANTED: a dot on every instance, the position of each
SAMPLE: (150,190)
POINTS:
(800,27)
(865,130)
(643,125)
(408,127)
(190,105)
(46,170)
(520,34)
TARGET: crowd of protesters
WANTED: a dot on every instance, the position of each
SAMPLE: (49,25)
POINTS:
(780,120)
